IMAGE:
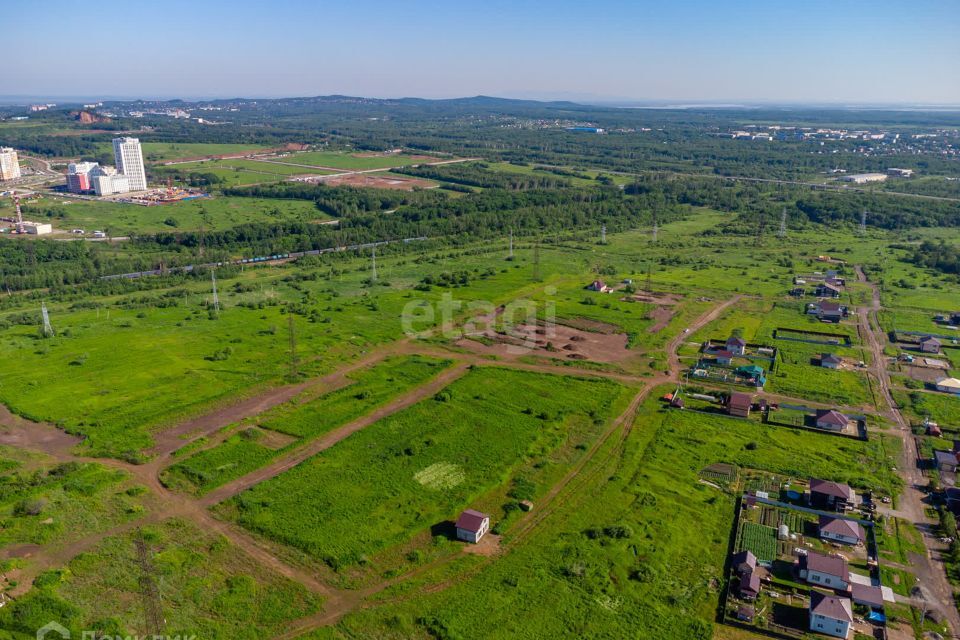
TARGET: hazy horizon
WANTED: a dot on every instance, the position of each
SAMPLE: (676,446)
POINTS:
(613,51)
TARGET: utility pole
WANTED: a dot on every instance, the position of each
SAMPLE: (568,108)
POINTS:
(863,222)
(216,298)
(603,234)
(783,224)
(373,255)
(655,229)
(292,329)
(649,286)
(511,243)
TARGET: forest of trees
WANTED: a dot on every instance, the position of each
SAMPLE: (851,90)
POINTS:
(937,255)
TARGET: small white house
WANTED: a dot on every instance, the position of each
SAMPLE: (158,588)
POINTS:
(841,530)
(830,615)
(948,385)
(472,526)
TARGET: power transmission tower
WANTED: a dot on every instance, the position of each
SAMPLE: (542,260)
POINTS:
(216,298)
(200,248)
(783,224)
(655,229)
(863,222)
(292,329)
(649,286)
(47,329)
(603,234)
(511,243)
(761,225)
(373,271)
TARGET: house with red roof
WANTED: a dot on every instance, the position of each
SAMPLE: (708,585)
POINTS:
(825,494)
(472,525)
(831,420)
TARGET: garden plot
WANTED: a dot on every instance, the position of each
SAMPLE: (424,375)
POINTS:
(555,341)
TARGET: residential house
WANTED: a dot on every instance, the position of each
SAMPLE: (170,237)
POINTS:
(830,615)
(736,345)
(739,404)
(831,420)
(946,461)
(746,613)
(867,595)
(830,361)
(948,385)
(472,525)
(826,290)
(929,344)
(823,570)
(749,586)
(825,494)
(724,357)
(841,530)
(744,562)
(598,285)
(829,311)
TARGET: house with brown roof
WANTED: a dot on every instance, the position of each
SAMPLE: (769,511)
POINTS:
(739,404)
(472,525)
(824,570)
(929,344)
(744,562)
(749,586)
(831,420)
(736,345)
(830,361)
(723,357)
(830,614)
(829,311)
(841,530)
(825,494)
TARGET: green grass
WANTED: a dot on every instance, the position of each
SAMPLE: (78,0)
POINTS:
(119,219)
(162,151)
(662,578)
(939,407)
(244,451)
(207,587)
(337,160)
(374,489)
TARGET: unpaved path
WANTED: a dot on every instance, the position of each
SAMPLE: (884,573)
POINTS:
(323,443)
(933,580)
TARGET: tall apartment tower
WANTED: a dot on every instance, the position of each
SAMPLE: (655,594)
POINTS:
(9,164)
(129,159)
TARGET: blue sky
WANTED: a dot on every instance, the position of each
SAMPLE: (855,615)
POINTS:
(846,51)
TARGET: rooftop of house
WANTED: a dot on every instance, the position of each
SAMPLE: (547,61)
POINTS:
(831,606)
(822,563)
(744,558)
(867,594)
(829,305)
(929,340)
(830,416)
(841,527)
(740,401)
(471,520)
(750,582)
(736,340)
(831,358)
(830,488)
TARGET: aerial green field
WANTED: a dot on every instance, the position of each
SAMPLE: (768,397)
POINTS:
(205,586)
(356,160)
(418,468)
(302,419)
(165,151)
(119,219)
(623,560)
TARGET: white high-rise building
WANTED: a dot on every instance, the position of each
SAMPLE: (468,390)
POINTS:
(129,159)
(9,164)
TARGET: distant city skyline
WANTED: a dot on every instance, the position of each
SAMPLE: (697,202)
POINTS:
(609,51)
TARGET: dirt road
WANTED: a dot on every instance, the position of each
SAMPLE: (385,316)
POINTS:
(933,580)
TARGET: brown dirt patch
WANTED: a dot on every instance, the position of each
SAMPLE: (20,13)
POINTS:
(558,341)
(274,439)
(661,317)
(591,326)
(24,434)
(488,546)
(654,297)
(393,181)
(923,374)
